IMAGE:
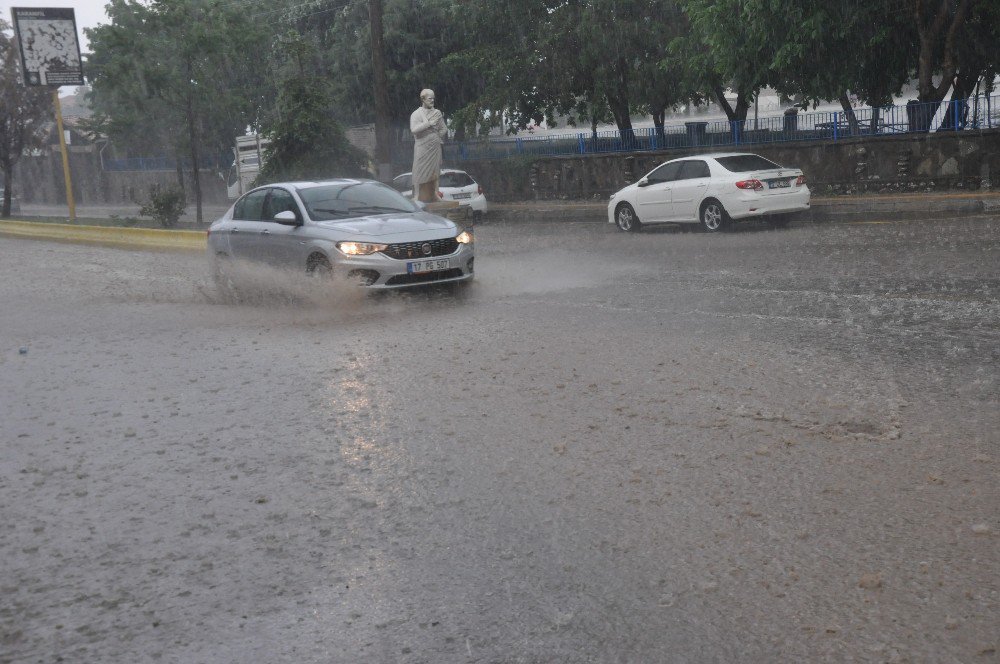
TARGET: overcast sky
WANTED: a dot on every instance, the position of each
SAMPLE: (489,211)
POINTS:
(88,13)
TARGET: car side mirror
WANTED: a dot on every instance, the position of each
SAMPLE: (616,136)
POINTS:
(287,218)
(644,182)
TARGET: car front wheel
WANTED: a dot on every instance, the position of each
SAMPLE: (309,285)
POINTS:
(626,220)
(713,216)
(319,266)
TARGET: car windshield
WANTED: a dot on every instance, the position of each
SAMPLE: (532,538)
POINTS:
(746,162)
(352,199)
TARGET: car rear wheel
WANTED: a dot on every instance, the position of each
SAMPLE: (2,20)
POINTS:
(713,216)
(626,220)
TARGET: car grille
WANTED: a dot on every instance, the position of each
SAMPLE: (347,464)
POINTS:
(424,277)
(406,250)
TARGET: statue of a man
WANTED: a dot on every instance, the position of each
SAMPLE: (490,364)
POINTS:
(428,129)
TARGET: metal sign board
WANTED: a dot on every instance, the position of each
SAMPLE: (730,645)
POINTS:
(50,49)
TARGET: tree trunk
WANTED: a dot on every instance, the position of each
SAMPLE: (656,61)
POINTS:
(930,35)
(618,103)
(958,109)
(659,120)
(179,169)
(852,119)
(8,182)
(619,109)
(193,137)
(380,83)
(736,115)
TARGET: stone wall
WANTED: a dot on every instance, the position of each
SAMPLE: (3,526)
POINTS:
(39,179)
(969,160)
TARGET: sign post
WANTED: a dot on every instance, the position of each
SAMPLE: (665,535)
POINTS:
(50,56)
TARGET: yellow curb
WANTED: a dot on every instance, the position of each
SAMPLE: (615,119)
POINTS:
(141,238)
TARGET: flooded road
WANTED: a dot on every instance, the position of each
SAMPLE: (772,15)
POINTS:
(663,447)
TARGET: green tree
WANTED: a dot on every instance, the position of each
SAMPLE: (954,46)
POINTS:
(869,47)
(23,113)
(725,50)
(939,26)
(589,60)
(186,75)
(307,141)
(419,38)
(977,57)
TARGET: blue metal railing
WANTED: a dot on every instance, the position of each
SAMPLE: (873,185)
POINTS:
(982,112)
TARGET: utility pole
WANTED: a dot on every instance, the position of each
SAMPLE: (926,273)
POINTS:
(380,82)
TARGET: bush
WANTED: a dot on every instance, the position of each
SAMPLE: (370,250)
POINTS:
(165,205)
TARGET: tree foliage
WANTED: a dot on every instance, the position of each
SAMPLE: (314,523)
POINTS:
(181,74)
(24,112)
(306,140)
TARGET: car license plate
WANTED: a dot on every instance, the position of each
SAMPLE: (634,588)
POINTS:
(459,197)
(427,266)
(779,184)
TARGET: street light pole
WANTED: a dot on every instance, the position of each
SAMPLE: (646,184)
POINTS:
(65,156)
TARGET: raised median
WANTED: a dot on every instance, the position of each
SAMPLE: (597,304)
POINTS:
(117,236)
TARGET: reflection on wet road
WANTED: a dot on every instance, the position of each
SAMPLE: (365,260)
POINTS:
(759,446)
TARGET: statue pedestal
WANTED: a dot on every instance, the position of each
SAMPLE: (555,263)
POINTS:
(452,210)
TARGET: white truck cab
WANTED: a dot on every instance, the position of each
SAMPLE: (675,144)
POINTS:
(248,157)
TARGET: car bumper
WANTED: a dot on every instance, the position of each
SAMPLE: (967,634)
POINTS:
(751,205)
(380,272)
(477,203)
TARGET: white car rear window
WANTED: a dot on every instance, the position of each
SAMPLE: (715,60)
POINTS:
(746,162)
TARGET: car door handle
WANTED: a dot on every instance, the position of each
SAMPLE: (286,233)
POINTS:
(234,230)
(265,232)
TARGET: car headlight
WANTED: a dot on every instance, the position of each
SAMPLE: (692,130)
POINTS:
(465,237)
(360,248)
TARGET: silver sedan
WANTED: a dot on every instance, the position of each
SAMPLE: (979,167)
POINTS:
(357,229)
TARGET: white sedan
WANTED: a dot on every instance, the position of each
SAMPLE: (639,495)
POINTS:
(712,190)
(454,185)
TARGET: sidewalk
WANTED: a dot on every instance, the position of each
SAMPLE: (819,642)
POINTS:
(838,208)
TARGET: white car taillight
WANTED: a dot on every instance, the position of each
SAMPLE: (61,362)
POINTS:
(799,181)
(752,183)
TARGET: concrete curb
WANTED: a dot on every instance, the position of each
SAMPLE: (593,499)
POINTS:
(832,209)
(904,206)
(144,238)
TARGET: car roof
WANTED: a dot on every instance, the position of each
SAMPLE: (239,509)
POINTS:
(443,170)
(715,155)
(309,184)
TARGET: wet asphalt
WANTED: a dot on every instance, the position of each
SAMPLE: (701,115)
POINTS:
(762,446)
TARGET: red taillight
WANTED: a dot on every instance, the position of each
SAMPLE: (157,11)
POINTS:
(480,187)
(208,232)
(440,194)
(799,181)
(753,183)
